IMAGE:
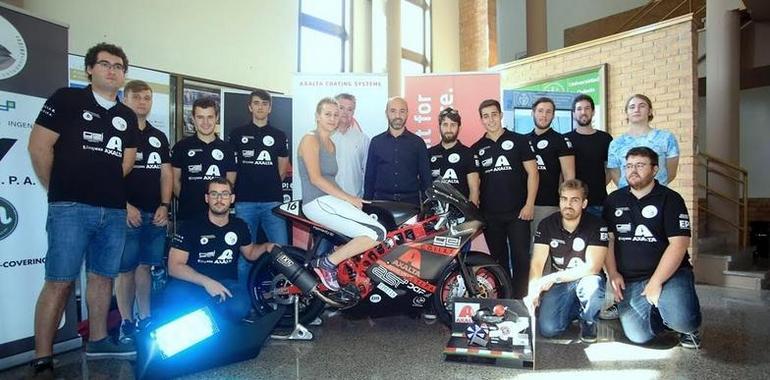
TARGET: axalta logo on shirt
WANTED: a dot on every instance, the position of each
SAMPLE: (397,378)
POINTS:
(114,146)
(641,234)
(501,164)
(450,176)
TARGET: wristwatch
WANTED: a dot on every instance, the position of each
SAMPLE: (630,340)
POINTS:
(165,204)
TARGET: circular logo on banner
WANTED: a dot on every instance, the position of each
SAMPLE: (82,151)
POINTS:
(13,50)
(244,140)
(433,159)
(155,142)
(204,240)
(190,153)
(375,298)
(578,244)
(217,154)
(454,157)
(554,244)
(87,116)
(507,145)
(9,218)
(119,123)
(618,212)
(542,144)
(268,140)
(649,211)
(231,238)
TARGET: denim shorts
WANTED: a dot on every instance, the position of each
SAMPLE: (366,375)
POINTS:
(77,230)
(144,244)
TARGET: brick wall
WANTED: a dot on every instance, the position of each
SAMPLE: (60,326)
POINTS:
(478,34)
(657,60)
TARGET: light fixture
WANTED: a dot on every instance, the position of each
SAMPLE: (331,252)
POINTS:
(184,332)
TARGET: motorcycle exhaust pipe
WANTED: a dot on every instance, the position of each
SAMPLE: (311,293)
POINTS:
(297,274)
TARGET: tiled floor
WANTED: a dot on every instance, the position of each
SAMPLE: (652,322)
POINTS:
(736,339)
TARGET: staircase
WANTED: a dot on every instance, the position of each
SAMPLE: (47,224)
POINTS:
(720,262)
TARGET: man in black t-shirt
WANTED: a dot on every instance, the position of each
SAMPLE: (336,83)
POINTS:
(576,242)
(148,189)
(204,255)
(555,159)
(648,264)
(509,183)
(82,145)
(263,163)
(451,161)
(591,148)
(199,158)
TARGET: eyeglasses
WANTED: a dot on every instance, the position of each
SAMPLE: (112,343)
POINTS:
(637,165)
(111,66)
(218,195)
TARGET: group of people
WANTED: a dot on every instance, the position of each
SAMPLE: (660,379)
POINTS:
(111,176)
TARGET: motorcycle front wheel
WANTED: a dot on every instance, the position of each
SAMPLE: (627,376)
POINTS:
(493,283)
(268,289)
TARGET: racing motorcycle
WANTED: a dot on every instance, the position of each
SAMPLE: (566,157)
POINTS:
(424,258)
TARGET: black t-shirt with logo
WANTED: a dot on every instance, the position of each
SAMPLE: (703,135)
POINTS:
(590,161)
(258,149)
(548,147)
(143,183)
(88,155)
(503,177)
(642,228)
(568,249)
(453,165)
(213,250)
(199,162)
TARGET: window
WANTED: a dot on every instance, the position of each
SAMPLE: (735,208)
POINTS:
(324,43)
(415,36)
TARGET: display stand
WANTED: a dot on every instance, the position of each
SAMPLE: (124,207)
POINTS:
(493,332)
(299,331)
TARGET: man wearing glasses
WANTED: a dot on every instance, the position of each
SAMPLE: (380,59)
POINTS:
(203,260)
(199,158)
(453,162)
(82,146)
(647,262)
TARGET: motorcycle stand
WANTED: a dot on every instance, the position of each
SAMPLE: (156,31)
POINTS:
(299,332)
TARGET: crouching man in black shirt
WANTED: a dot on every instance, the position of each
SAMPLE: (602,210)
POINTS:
(648,264)
(577,244)
(204,257)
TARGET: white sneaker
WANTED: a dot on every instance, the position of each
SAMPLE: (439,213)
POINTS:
(609,313)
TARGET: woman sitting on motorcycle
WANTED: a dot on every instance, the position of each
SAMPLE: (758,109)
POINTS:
(325,203)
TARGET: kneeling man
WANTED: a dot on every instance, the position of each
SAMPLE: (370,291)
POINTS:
(203,260)
(648,263)
(577,245)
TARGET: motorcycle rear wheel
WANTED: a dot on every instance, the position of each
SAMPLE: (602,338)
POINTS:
(493,281)
(265,286)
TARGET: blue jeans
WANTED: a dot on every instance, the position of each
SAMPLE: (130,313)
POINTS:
(564,302)
(260,214)
(144,244)
(678,308)
(77,230)
(181,296)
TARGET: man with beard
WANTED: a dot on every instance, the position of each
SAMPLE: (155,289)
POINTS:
(203,260)
(577,243)
(555,159)
(199,158)
(647,262)
(509,181)
(352,146)
(397,168)
(453,162)
(591,148)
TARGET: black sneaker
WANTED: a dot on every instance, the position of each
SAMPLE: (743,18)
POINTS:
(127,331)
(143,324)
(691,340)
(588,332)
(328,277)
(106,349)
(42,368)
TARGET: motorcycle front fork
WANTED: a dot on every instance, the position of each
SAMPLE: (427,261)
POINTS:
(468,276)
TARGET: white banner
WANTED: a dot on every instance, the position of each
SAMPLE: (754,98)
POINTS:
(370,90)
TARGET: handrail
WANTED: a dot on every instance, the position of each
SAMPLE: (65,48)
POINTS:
(721,167)
(652,4)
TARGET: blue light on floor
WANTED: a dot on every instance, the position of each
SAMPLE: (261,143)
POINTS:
(184,332)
